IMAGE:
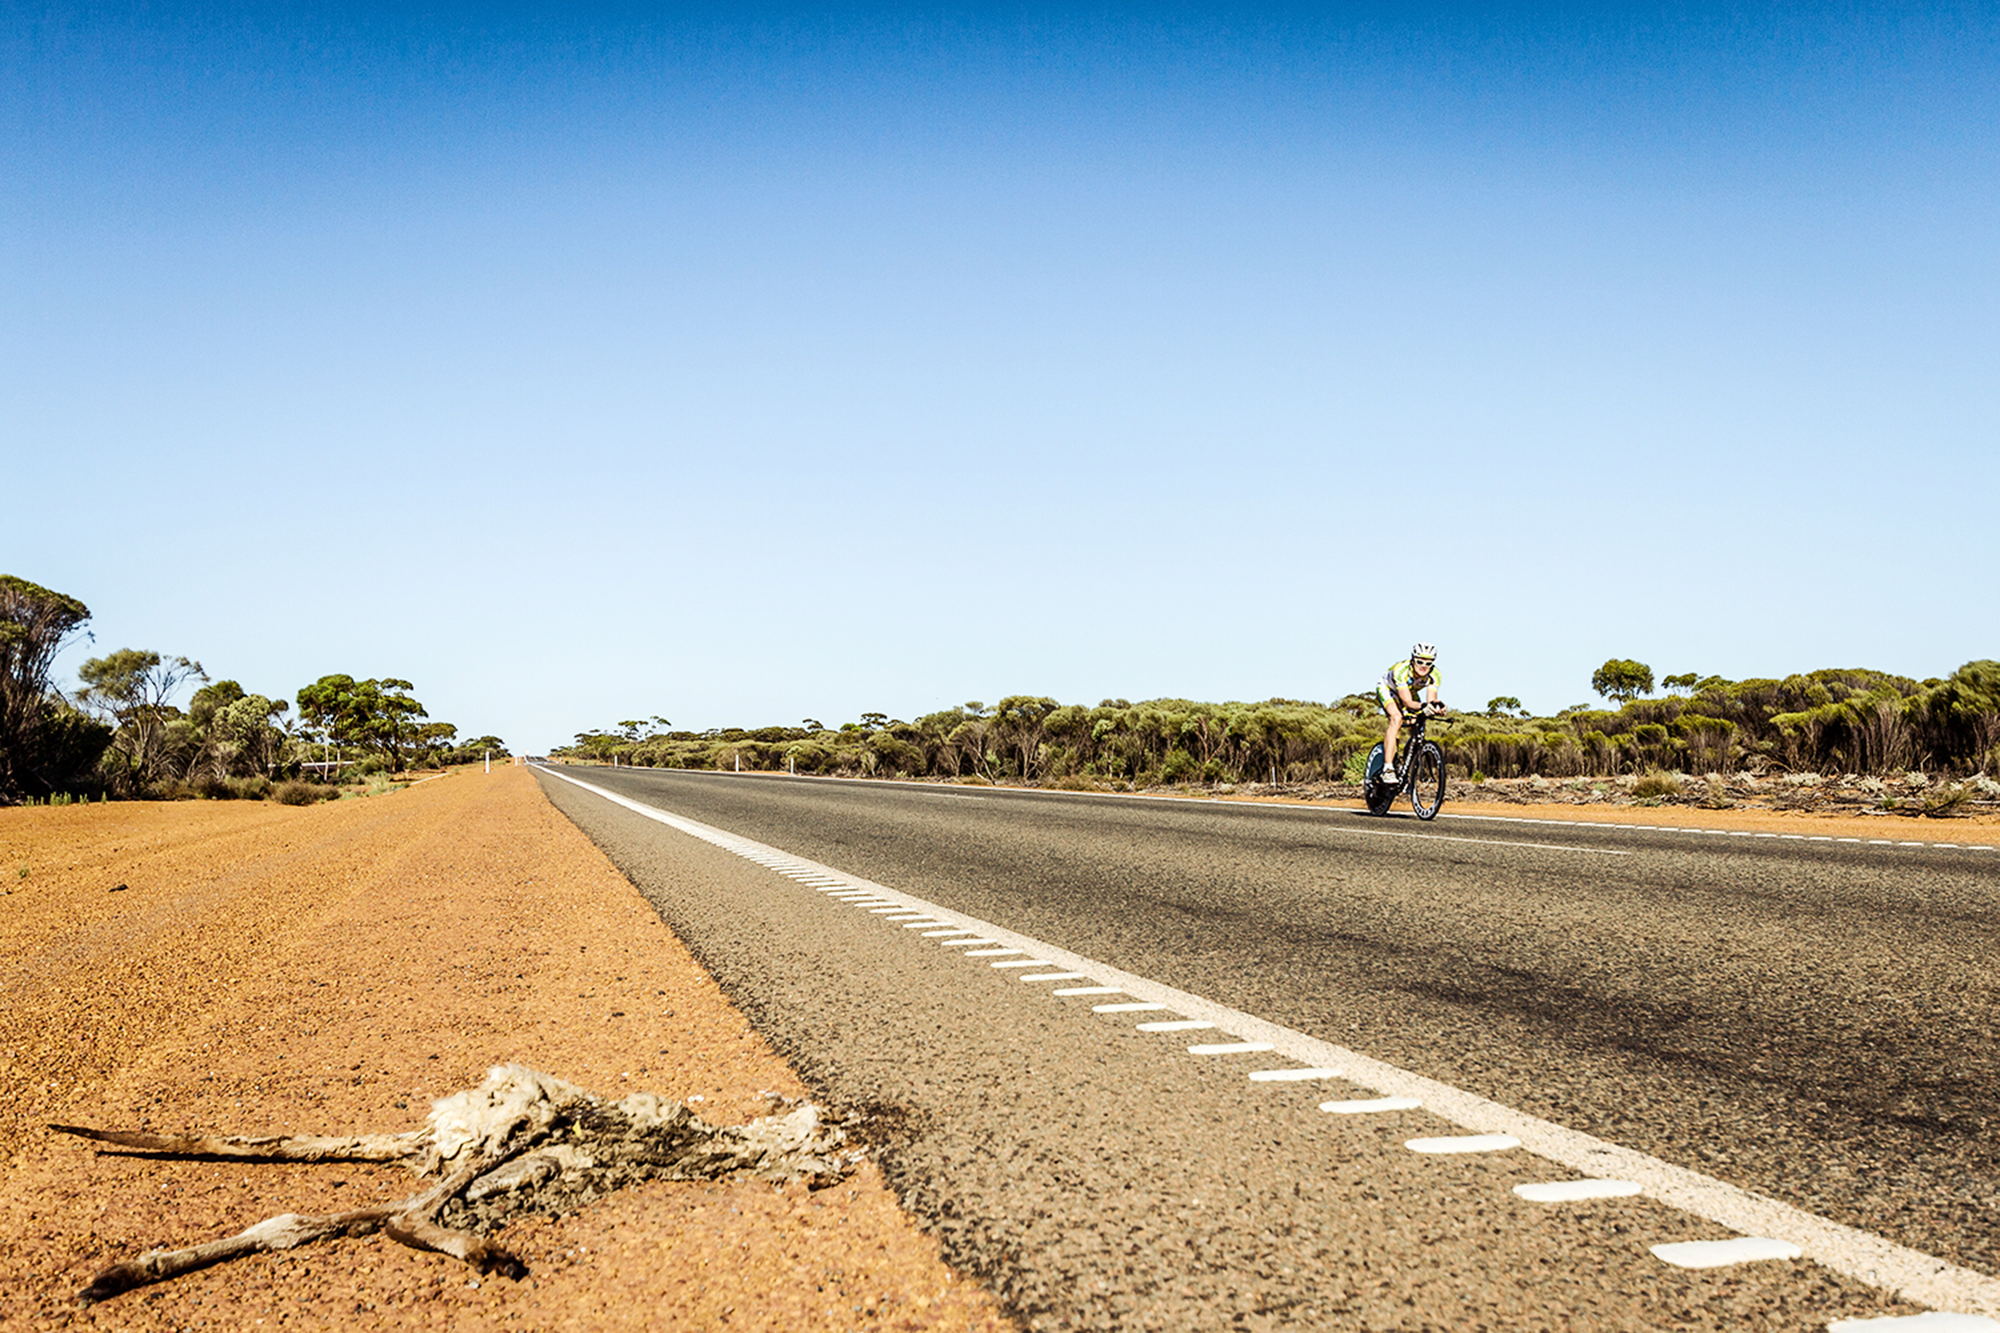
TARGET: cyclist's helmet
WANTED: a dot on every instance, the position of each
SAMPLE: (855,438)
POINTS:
(1423,652)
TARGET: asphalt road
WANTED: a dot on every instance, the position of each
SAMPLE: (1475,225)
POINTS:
(1811,1021)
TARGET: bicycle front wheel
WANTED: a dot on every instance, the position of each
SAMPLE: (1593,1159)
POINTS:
(1426,779)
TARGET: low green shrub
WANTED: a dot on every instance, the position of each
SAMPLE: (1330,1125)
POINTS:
(302,793)
(1656,784)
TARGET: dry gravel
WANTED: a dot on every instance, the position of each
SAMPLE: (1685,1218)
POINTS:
(332,969)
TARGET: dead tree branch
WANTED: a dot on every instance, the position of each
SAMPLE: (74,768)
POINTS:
(519,1142)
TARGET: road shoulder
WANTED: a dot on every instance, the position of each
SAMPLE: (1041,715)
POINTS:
(333,968)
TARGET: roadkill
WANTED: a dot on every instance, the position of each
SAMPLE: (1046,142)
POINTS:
(520,1142)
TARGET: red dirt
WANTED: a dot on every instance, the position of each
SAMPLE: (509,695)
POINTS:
(331,969)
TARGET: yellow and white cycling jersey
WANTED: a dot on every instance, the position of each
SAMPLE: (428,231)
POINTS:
(1400,674)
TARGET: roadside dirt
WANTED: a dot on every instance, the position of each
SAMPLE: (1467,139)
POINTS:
(1981,828)
(1970,829)
(256,968)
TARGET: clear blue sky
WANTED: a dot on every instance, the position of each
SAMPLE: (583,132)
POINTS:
(583,364)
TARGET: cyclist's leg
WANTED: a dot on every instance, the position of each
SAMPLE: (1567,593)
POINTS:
(1395,712)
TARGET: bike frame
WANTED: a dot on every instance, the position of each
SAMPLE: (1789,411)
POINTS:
(1413,736)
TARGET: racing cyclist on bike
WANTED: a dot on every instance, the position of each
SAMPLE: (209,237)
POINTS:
(1397,690)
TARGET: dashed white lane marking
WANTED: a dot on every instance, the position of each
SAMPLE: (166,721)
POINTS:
(1135,1007)
(990,953)
(953,944)
(1921,1278)
(1231,1048)
(1293,1075)
(1574,1191)
(1177,1025)
(1723,1253)
(1930,1321)
(923,923)
(1370,1105)
(1023,962)
(1451,1143)
(1493,842)
(1087,990)
(940,934)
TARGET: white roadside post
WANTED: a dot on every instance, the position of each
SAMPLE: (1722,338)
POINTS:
(489,761)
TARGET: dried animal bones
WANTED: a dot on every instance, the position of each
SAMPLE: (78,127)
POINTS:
(519,1142)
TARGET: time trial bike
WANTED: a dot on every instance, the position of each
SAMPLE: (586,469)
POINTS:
(1422,771)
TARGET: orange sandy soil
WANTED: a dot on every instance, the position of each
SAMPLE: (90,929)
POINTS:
(331,969)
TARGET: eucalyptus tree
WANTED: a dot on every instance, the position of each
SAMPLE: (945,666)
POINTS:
(1019,724)
(235,733)
(135,687)
(1622,679)
(379,715)
(39,731)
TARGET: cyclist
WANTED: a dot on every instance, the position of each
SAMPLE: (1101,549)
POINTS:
(1397,690)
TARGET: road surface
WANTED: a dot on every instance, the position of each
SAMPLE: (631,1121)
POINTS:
(1807,1021)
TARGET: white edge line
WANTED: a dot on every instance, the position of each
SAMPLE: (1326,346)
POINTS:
(1847,1250)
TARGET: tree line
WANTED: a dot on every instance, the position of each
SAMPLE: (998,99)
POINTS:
(1827,721)
(122,733)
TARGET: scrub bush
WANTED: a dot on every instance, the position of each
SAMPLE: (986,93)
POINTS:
(1657,784)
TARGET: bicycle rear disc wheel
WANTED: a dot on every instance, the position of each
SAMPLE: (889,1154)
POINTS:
(1372,790)
(1426,779)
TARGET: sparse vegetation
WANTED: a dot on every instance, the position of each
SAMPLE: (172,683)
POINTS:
(124,733)
(303,793)
(1941,802)
(1791,731)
